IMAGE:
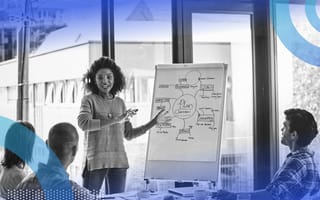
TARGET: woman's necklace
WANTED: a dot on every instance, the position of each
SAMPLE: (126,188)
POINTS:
(109,115)
(108,97)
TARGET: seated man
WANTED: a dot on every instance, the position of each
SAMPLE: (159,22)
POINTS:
(298,176)
(63,140)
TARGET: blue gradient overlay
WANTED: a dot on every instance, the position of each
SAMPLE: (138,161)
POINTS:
(36,157)
(290,37)
(84,17)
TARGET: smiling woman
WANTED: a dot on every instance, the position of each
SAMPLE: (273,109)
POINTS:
(105,80)
(105,120)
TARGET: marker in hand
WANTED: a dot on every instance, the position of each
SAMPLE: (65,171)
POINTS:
(131,112)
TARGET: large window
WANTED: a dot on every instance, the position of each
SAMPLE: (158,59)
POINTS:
(65,38)
(226,38)
(142,40)
(298,81)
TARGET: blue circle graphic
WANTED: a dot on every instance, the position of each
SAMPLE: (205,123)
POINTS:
(290,37)
(42,154)
(311,13)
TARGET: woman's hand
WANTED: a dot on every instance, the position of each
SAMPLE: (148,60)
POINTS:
(118,119)
(161,118)
(131,112)
(126,115)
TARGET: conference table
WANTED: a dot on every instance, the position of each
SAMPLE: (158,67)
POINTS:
(190,193)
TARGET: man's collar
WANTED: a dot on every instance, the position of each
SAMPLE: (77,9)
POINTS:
(301,150)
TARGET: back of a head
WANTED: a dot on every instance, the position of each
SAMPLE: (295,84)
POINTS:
(21,136)
(303,123)
(62,137)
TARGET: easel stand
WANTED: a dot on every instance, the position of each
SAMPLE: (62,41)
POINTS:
(154,185)
(212,185)
(147,182)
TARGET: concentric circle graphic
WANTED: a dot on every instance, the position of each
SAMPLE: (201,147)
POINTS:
(311,14)
(289,35)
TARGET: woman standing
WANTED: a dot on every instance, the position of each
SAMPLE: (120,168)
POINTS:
(104,118)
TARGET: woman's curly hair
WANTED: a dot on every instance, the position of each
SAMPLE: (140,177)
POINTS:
(102,63)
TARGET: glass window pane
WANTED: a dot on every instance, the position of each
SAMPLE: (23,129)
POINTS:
(65,37)
(142,40)
(226,38)
(298,81)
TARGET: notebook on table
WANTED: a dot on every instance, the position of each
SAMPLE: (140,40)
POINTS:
(186,191)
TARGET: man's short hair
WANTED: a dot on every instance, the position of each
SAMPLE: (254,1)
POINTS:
(61,137)
(303,123)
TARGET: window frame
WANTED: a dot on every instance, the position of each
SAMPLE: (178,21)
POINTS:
(265,135)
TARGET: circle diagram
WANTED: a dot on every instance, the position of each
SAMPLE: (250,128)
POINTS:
(184,106)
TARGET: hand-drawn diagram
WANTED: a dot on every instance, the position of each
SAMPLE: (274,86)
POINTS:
(193,97)
(194,105)
(187,145)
